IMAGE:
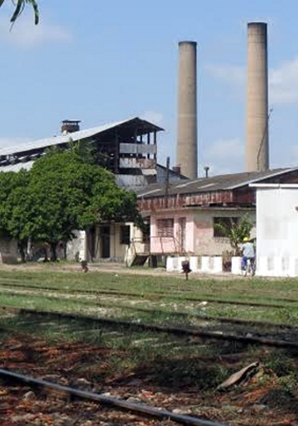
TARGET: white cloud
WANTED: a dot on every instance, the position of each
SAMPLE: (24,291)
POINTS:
(11,141)
(283,80)
(225,149)
(224,156)
(152,116)
(231,74)
(283,83)
(25,34)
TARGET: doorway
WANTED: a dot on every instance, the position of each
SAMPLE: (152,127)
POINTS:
(105,239)
(182,229)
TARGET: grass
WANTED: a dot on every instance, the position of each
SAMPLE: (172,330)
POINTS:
(164,309)
(166,363)
(172,359)
(145,283)
(173,364)
(255,288)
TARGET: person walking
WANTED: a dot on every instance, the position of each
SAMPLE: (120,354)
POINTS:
(248,253)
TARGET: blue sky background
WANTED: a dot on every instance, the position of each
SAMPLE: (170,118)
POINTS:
(103,61)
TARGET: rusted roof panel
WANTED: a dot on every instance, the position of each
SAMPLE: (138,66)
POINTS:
(144,126)
(213,184)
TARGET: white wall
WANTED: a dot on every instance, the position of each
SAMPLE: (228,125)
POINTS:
(277,222)
(77,244)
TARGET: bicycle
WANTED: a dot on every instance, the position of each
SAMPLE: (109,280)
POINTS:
(250,267)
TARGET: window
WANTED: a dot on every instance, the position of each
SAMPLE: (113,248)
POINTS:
(165,227)
(124,234)
(222,223)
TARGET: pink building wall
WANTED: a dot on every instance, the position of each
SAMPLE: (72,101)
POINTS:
(162,244)
(199,232)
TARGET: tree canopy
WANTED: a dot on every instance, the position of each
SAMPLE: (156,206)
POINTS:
(60,194)
(19,6)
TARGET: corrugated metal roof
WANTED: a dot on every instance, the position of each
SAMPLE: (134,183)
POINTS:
(63,139)
(213,183)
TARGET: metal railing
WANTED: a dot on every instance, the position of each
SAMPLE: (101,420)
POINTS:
(178,247)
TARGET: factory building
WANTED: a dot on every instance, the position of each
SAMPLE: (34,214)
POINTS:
(183,217)
(127,148)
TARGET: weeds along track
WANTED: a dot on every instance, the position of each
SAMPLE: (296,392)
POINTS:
(160,294)
(247,286)
(56,373)
(289,340)
(120,362)
(156,313)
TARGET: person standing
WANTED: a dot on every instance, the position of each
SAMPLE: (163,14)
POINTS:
(248,253)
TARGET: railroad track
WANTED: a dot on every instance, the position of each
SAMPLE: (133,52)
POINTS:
(140,409)
(176,314)
(157,295)
(175,330)
(168,287)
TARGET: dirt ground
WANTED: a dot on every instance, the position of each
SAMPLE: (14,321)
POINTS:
(113,267)
(259,401)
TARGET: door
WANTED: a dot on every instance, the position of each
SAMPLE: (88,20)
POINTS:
(105,242)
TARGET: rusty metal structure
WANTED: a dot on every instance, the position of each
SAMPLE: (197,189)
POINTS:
(127,148)
(218,191)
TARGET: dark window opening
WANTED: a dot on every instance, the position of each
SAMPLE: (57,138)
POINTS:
(125,234)
(146,233)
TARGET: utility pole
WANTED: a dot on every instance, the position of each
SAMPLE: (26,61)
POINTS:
(167,182)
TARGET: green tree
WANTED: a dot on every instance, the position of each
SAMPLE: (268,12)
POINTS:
(84,149)
(235,231)
(61,193)
(19,6)
(14,205)
(66,193)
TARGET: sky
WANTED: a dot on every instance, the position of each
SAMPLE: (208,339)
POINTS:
(105,61)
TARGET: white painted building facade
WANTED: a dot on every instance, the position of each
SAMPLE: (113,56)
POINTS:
(277,230)
(110,241)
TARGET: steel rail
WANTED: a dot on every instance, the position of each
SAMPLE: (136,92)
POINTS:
(186,288)
(157,295)
(180,314)
(141,409)
(225,320)
(163,329)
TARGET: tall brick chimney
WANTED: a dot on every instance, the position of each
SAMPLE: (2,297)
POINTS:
(187,150)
